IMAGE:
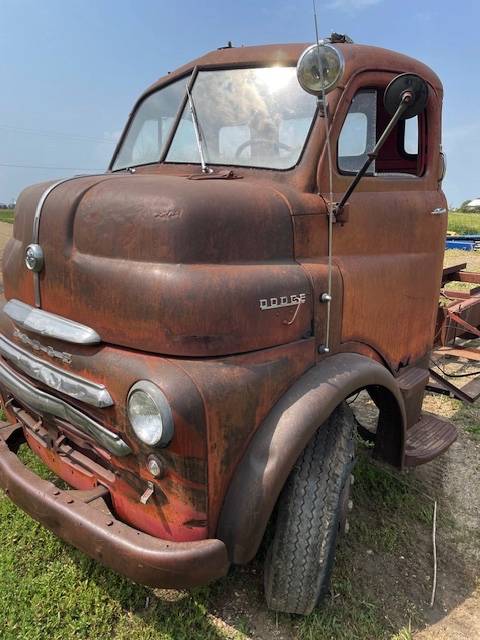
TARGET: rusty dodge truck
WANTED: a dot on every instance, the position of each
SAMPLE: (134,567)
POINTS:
(180,334)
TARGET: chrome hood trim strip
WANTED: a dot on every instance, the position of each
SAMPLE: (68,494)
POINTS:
(49,324)
(44,403)
(58,379)
(36,227)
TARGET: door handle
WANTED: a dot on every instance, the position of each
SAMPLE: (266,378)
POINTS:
(438,211)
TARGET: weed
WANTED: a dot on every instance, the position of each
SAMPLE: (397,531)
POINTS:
(403,634)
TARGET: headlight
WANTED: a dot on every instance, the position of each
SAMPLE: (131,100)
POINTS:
(150,414)
(320,68)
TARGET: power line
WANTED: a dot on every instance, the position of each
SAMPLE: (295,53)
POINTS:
(58,134)
(31,166)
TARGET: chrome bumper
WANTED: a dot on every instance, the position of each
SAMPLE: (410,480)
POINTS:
(59,379)
(43,403)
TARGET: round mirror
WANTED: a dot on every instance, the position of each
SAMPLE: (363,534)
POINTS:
(403,84)
(320,68)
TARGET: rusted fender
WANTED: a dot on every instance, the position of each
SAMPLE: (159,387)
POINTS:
(284,434)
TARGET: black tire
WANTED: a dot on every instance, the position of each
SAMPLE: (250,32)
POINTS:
(311,511)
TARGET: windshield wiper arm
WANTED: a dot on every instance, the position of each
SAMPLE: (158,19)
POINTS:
(198,134)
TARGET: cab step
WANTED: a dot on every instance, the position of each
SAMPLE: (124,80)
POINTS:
(427,439)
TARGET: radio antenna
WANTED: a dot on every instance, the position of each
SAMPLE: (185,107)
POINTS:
(327,296)
(315,20)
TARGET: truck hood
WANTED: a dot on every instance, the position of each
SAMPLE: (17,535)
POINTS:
(164,263)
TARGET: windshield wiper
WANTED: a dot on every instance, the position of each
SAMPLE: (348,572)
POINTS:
(198,134)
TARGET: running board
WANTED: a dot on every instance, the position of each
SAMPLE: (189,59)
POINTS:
(428,438)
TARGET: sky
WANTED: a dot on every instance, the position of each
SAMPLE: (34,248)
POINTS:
(71,70)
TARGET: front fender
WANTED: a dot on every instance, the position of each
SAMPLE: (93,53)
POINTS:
(286,431)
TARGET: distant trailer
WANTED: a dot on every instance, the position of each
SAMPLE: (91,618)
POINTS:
(464,245)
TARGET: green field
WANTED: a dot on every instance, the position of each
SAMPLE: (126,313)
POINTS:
(464,223)
(7,215)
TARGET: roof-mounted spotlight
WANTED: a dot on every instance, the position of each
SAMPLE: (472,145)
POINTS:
(320,68)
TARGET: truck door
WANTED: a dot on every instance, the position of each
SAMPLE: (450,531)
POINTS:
(390,251)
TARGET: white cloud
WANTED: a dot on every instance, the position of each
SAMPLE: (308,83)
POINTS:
(352,5)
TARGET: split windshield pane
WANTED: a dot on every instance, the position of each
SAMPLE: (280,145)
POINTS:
(249,117)
(151,126)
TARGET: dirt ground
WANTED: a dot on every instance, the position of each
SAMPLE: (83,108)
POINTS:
(454,482)
(5,234)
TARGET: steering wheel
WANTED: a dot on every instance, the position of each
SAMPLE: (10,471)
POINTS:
(249,143)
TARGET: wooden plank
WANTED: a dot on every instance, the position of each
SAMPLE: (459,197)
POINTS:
(469,276)
(454,269)
(472,389)
(469,354)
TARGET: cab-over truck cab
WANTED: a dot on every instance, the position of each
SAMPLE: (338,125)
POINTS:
(180,334)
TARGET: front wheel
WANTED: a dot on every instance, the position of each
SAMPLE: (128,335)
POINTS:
(311,511)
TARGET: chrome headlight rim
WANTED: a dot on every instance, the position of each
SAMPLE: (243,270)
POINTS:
(160,401)
(340,71)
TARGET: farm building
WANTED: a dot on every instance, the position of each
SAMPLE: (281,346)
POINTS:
(473,205)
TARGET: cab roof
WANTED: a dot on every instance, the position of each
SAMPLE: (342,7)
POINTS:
(358,57)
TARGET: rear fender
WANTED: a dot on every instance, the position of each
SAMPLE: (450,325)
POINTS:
(286,431)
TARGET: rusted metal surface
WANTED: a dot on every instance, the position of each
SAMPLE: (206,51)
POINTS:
(429,438)
(390,238)
(141,557)
(211,289)
(458,318)
(205,267)
(181,496)
(284,434)
(238,394)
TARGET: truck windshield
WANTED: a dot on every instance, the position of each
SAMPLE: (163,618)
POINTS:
(248,117)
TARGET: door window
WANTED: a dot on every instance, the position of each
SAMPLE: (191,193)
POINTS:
(357,137)
(366,120)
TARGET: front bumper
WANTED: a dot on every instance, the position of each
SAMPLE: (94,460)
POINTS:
(136,555)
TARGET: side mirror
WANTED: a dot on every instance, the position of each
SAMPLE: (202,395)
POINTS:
(406,89)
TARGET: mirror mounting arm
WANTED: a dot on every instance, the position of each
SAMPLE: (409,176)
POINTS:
(338,210)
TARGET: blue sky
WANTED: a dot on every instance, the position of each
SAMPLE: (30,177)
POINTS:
(71,70)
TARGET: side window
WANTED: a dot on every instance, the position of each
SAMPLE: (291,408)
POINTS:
(366,120)
(357,137)
(410,137)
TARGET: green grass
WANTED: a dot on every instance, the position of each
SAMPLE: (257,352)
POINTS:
(463,223)
(50,591)
(7,215)
(403,634)
(469,415)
